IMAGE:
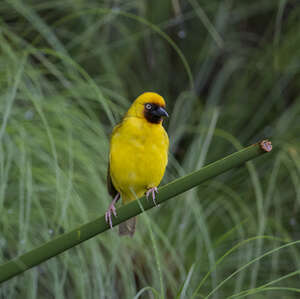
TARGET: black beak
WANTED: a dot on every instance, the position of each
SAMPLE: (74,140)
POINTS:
(160,111)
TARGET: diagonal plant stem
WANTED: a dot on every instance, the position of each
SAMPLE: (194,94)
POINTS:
(89,230)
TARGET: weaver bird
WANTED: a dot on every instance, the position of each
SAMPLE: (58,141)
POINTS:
(138,155)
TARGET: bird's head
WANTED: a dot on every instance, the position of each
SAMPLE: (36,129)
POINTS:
(150,106)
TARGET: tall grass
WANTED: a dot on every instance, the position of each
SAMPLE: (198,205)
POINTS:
(69,70)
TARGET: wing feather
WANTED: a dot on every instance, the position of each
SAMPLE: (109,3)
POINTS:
(110,186)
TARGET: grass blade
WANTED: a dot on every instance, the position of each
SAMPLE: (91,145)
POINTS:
(89,230)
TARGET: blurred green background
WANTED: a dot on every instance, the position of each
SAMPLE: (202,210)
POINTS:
(230,73)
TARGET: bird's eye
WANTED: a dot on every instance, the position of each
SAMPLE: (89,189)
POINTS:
(148,106)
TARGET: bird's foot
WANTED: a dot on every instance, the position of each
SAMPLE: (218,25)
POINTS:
(111,210)
(152,191)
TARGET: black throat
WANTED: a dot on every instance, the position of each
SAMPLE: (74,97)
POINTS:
(151,116)
(154,119)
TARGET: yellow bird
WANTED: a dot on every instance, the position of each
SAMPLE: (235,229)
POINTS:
(138,155)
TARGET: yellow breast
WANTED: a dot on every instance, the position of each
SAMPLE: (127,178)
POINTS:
(138,157)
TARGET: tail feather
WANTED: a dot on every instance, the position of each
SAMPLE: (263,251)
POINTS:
(127,227)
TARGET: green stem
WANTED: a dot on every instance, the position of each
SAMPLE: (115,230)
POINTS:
(89,230)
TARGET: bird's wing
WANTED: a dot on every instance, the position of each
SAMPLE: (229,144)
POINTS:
(110,186)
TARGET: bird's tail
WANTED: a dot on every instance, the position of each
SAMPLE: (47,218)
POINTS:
(128,227)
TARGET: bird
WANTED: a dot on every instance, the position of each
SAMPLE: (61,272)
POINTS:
(138,155)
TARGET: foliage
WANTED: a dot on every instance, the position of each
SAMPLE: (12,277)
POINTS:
(70,69)
(86,231)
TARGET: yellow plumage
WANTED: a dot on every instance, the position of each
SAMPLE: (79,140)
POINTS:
(139,149)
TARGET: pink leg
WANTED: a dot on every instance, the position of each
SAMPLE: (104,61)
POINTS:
(152,191)
(111,209)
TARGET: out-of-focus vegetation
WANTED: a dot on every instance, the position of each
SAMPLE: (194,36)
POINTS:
(229,71)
